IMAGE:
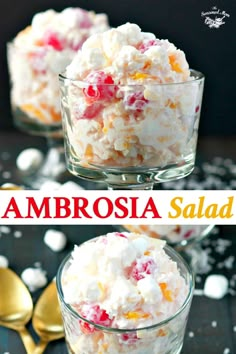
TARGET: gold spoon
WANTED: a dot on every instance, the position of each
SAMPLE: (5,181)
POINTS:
(47,319)
(11,187)
(16,306)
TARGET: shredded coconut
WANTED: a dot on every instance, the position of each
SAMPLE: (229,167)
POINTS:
(219,173)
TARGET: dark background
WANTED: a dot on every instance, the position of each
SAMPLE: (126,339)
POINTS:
(211,51)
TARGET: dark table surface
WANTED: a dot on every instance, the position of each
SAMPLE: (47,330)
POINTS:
(212,323)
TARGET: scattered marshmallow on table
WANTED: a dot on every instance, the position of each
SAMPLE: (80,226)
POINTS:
(50,186)
(66,187)
(29,159)
(34,278)
(70,186)
(54,239)
(3,262)
(5,229)
(216,286)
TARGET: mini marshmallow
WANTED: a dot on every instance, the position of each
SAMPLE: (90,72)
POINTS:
(216,286)
(17,234)
(70,186)
(226,351)
(214,324)
(6,174)
(56,240)
(50,186)
(34,278)
(191,334)
(3,262)
(5,229)
(29,159)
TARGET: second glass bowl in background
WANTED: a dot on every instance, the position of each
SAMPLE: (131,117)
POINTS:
(186,239)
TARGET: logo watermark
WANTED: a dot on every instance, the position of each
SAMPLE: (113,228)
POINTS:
(214,18)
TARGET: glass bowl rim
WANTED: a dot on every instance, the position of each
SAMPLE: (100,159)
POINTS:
(195,74)
(193,239)
(187,300)
(181,244)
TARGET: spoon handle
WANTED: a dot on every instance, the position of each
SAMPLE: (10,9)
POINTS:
(27,340)
(40,347)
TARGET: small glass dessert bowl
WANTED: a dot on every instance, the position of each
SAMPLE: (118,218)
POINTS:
(139,305)
(36,56)
(131,109)
(131,136)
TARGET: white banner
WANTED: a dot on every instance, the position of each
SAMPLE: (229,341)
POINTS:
(118,207)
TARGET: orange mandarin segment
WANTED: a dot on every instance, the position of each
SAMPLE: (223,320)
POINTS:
(135,315)
(55,116)
(171,104)
(89,151)
(39,43)
(153,234)
(147,253)
(141,76)
(174,65)
(165,292)
(144,227)
(147,65)
(33,111)
(162,333)
(39,112)
(105,346)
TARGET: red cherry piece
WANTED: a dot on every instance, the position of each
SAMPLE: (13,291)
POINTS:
(141,269)
(120,234)
(129,338)
(92,111)
(86,327)
(52,40)
(83,19)
(96,315)
(197,109)
(144,46)
(188,234)
(89,112)
(136,101)
(86,22)
(102,86)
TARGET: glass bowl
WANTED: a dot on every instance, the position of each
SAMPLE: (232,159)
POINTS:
(131,136)
(165,337)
